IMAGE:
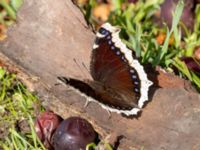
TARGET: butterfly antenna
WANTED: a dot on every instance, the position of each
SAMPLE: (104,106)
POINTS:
(79,67)
(88,71)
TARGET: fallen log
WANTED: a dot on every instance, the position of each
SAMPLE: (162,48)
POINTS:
(52,39)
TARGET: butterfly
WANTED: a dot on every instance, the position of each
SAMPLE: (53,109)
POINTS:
(119,83)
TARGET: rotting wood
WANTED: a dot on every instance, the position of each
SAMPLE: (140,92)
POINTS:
(45,42)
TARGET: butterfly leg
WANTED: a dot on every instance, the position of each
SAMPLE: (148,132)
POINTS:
(88,100)
(109,113)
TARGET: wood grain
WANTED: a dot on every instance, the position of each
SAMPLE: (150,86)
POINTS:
(46,41)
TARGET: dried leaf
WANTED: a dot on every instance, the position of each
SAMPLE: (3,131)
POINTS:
(101,12)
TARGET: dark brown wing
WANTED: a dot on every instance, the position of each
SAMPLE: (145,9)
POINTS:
(107,96)
(120,83)
(110,67)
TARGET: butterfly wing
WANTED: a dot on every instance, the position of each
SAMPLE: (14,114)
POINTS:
(100,94)
(113,65)
(120,83)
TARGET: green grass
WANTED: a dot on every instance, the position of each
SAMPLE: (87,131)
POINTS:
(139,32)
(17,104)
(10,10)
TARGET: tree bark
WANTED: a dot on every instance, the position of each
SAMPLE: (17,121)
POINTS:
(52,39)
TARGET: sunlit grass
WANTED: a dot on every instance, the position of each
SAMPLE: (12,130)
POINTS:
(17,104)
(139,32)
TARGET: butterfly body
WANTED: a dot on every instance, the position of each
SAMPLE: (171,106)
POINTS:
(120,83)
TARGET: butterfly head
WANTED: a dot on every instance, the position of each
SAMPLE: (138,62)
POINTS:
(107,28)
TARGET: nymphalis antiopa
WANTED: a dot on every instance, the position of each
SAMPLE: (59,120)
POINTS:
(120,83)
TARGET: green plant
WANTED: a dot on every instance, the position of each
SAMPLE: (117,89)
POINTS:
(17,104)
(139,32)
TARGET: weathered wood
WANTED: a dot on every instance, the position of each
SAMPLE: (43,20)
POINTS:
(54,30)
(43,44)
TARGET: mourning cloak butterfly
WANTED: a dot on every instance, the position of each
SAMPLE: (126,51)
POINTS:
(120,83)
